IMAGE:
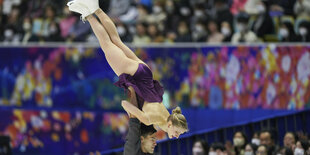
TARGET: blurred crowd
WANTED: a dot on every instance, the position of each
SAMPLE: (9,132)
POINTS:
(161,21)
(261,143)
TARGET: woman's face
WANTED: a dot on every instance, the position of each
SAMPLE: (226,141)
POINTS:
(140,29)
(238,139)
(262,150)
(152,30)
(212,27)
(174,131)
(198,149)
(248,148)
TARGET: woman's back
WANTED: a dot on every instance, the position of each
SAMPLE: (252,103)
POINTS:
(157,113)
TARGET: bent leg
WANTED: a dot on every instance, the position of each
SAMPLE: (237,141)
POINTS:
(111,30)
(118,61)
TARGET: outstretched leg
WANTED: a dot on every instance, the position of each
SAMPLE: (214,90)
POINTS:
(111,30)
(118,61)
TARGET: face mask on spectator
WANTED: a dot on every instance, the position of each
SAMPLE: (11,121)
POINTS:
(198,13)
(248,153)
(157,9)
(238,141)
(197,151)
(184,11)
(261,9)
(121,30)
(212,153)
(8,33)
(26,26)
(303,31)
(255,141)
(298,151)
(241,27)
(199,29)
(283,32)
(225,31)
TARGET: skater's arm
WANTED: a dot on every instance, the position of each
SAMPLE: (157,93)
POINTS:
(130,108)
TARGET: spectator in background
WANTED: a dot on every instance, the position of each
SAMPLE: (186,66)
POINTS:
(35,8)
(262,150)
(184,10)
(226,30)
(289,140)
(301,147)
(170,37)
(123,32)
(1,21)
(250,149)
(199,33)
(303,34)
(140,36)
(143,14)
(243,33)
(285,7)
(154,33)
(302,8)
(47,28)
(27,32)
(119,7)
(285,151)
(12,27)
(129,17)
(222,12)
(79,32)
(251,7)
(237,6)
(263,25)
(255,139)
(267,137)
(8,5)
(240,142)
(172,17)
(200,147)
(214,35)
(158,16)
(217,149)
(66,22)
(286,32)
(199,14)
(184,34)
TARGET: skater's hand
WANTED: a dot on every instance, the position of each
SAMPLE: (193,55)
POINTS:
(130,115)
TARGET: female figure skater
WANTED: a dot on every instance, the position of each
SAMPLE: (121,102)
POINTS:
(132,72)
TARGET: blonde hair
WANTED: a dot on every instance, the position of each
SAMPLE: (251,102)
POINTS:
(178,119)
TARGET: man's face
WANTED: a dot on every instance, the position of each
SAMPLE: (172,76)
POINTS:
(148,143)
(265,139)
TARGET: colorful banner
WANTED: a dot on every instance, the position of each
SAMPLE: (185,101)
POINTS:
(58,132)
(244,77)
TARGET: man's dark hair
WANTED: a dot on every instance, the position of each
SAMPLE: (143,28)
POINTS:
(218,146)
(147,130)
(272,133)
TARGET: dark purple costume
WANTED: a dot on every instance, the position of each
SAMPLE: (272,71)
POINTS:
(145,87)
